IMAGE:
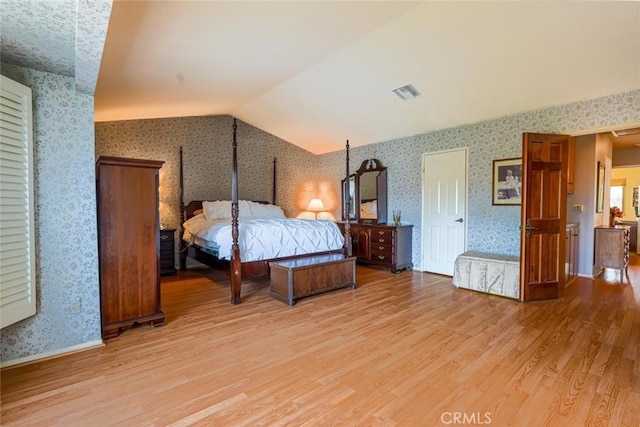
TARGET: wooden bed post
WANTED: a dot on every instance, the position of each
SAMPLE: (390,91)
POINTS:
(236,267)
(273,196)
(348,250)
(183,244)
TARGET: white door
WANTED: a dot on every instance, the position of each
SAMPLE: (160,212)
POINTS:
(444,209)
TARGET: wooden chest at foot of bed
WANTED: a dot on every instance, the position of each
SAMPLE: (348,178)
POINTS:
(301,277)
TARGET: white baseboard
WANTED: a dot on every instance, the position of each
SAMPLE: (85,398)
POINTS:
(52,354)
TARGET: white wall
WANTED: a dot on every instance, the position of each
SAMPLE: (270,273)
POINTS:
(627,157)
(590,149)
(584,194)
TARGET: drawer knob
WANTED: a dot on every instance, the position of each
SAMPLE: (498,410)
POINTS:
(164,237)
(381,240)
(381,247)
(381,232)
(381,257)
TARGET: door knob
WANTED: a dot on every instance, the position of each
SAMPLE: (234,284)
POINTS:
(528,227)
(459,220)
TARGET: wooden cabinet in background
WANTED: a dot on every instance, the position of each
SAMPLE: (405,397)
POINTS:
(385,245)
(612,248)
(572,244)
(128,243)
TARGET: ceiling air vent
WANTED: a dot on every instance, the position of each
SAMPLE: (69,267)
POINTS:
(407,92)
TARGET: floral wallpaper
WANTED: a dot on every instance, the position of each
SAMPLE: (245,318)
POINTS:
(64,37)
(67,303)
(490,228)
(206,143)
(92,21)
(39,29)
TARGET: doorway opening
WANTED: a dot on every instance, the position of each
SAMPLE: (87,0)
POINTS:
(619,153)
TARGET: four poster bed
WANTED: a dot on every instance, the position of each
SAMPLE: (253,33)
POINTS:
(243,237)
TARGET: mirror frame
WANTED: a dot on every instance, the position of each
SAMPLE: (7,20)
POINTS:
(369,165)
(353,179)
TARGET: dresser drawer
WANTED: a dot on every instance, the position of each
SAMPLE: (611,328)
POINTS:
(381,248)
(166,239)
(166,263)
(381,233)
(382,258)
(166,256)
(382,252)
(381,237)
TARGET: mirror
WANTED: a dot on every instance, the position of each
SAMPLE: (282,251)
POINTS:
(368,193)
(368,196)
(351,192)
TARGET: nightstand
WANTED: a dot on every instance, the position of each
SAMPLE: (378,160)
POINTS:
(167,252)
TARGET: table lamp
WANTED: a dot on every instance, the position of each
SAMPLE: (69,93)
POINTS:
(316,205)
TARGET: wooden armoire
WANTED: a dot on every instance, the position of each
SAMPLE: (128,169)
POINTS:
(128,243)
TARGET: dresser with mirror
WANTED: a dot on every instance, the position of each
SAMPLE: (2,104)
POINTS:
(374,241)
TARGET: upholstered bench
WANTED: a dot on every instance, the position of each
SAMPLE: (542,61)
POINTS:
(490,273)
(301,277)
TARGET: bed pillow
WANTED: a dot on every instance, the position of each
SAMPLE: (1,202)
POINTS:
(262,211)
(221,209)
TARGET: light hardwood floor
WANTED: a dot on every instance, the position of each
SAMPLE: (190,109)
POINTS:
(401,350)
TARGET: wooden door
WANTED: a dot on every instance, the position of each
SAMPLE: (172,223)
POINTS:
(444,209)
(544,205)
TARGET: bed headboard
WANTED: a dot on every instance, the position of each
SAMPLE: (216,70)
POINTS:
(191,207)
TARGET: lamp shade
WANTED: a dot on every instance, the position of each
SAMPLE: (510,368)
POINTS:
(316,205)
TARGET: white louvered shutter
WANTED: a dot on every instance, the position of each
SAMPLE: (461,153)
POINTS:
(17,253)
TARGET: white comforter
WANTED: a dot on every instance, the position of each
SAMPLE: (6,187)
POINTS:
(264,238)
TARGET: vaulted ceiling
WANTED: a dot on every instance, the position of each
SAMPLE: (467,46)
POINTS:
(317,73)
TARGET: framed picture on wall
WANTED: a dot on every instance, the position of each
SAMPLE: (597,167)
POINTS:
(600,189)
(507,180)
